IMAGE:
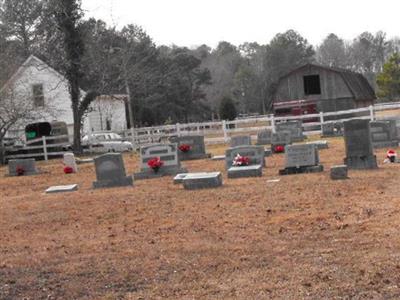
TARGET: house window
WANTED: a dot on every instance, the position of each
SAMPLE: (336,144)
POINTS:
(38,97)
(312,85)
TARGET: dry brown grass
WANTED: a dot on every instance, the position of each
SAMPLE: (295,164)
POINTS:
(305,237)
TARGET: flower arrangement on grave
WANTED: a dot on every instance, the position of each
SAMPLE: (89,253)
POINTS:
(279,149)
(155,164)
(184,148)
(20,171)
(391,156)
(68,170)
(240,161)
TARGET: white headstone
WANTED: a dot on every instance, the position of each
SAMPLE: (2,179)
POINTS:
(69,161)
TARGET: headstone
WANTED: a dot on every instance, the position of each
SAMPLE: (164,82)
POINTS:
(332,129)
(218,157)
(319,144)
(384,134)
(302,158)
(256,155)
(197,147)
(62,189)
(168,153)
(69,161)
(179,177)
(18,167)
(267,152)
(202,181)
(359,151)
(264,137)
(295,128)
(245,171)
(338,172)
(240,140)
(280,138)
(110,171)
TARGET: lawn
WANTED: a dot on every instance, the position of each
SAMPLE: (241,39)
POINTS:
(304,237)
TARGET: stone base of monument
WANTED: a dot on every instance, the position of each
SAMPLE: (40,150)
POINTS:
(192,156)
(245,171)
(179,177)
(163,171)
(126,181)
(386,144)
(361,162)
(202,181)
(320,144)
(339,172)
(218,157)
(300,170)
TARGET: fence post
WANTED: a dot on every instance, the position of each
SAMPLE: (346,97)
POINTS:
(45,148)
(178,129)
(273,123)
(321,119)
(371,112)
(224,130)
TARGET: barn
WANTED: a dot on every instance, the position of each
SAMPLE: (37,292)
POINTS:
(331,89)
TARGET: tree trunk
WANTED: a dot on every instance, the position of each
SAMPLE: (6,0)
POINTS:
(77,132)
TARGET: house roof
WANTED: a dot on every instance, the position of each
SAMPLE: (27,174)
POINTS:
(356,82)
(31,61)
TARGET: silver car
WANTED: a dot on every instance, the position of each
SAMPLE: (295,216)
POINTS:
(106,142)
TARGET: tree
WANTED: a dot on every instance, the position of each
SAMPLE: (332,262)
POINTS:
(227,109)
(332,52)
(389,79)
(68,19)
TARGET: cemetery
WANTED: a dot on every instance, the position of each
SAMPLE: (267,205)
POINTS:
(174,226)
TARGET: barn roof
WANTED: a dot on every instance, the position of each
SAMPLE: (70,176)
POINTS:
(356,82)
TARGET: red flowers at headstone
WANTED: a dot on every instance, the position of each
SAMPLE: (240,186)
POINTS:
(20,171)
(155,164)
(241,161)
(68,170)
(184,148)
(391,155)
(279,149)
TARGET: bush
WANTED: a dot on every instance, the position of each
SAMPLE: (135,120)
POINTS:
(227,109)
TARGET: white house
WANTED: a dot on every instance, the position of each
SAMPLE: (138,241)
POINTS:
(36,81)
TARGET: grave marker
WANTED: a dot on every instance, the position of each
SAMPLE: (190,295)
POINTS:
(69,161)
(384,134)
(294,127)
(280,138)
(256,155)
(240,140)
(19,167)
(301,158)
(62,189)
(202,181)
(264,137)
(110,171)
(197,147)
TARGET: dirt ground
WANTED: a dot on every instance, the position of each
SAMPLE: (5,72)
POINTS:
(304,237)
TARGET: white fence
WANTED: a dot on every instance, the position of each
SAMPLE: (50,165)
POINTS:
(220,131)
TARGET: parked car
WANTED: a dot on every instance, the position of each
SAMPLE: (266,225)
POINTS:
(106,142)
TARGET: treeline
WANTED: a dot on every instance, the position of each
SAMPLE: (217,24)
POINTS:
(169,84)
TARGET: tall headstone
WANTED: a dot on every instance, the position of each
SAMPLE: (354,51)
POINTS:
(359,150)
(295,128)
(254,153)
(197,147)
(168,154)
(110,171)
(240,140)
(264,137)
(18,167)
(301,158)
(384,134)
(70,161)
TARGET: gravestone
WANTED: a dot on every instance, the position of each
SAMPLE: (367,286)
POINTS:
(240,140)
(110,171)
(202,181)
(218,157)
(280,138)
(179,177)
(301,158)
(294,127)
(245,171)
(384,134)
(197,147)
(22,166)
(332,129)
(358,143)
(62,189)
(264,137)
(168,153)
(319,144)
(69,161)
(338,172)
(255,153)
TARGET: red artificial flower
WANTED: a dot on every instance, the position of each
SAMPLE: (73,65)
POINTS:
(68,170)
(391,153)
(20,171)
(241,161)
(155,163)
(184,148)
(279,149)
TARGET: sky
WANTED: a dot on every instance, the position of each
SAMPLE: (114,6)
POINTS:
(192,23)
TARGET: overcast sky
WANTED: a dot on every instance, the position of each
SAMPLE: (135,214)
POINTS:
(191,23)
